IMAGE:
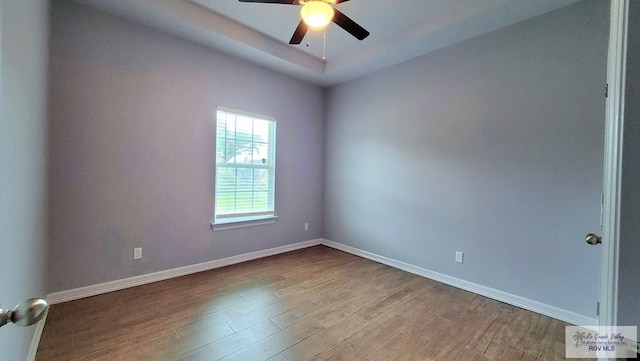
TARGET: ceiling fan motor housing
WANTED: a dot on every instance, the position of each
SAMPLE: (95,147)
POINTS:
(317,14)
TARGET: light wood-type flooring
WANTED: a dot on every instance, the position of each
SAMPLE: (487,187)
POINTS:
(313,304)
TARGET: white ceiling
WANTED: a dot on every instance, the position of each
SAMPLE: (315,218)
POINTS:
(400,30)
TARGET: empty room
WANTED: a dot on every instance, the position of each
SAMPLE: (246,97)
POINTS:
(319,180)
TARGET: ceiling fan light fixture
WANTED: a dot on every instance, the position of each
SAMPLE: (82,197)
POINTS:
(317,14)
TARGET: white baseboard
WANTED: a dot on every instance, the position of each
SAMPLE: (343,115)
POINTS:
(522,302)
(528,304)
(35,341)
(98,289)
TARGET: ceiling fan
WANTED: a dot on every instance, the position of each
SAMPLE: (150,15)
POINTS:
(317,14)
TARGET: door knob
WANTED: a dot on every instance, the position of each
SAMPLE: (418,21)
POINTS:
(26,313)
(593,239)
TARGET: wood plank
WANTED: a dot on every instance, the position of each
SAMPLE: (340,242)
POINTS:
(313,346)
(233,343)
(276,343)
(366,341)
(404,345)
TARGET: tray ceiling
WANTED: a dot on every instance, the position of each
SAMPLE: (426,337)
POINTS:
(400,30)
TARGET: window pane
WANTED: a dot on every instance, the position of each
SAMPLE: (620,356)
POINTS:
(230,152)
(243,150)
(221,129)
(261,130)
(261,201)
(244,129)
(260,179)
(244,180)
(260,153)
(244,202)
(230,126)
(220,149)
(226,180)
(225,203)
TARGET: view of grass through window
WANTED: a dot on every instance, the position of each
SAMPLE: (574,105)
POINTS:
(245,165)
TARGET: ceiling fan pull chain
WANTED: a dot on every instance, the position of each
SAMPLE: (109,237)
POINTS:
(324,49)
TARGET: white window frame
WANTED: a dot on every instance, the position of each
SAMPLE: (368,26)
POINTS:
(238,220)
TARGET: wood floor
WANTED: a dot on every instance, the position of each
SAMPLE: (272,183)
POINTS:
(317,303)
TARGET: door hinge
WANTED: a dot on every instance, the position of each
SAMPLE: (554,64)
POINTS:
(597,308)
(606,90)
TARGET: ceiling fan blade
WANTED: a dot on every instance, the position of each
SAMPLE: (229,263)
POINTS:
(349,25)
(299,34)
(286,2)
(341,1)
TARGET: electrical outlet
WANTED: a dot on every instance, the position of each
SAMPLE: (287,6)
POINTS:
(306,226)
(459,256)
(137,253)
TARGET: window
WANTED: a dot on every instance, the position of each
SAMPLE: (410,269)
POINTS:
(245,167)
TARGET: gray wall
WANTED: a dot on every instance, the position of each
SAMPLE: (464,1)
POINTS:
(629,279)
(23,49)
(132,131)
(493,147)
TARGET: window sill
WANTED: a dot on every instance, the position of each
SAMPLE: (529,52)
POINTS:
(223,225)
